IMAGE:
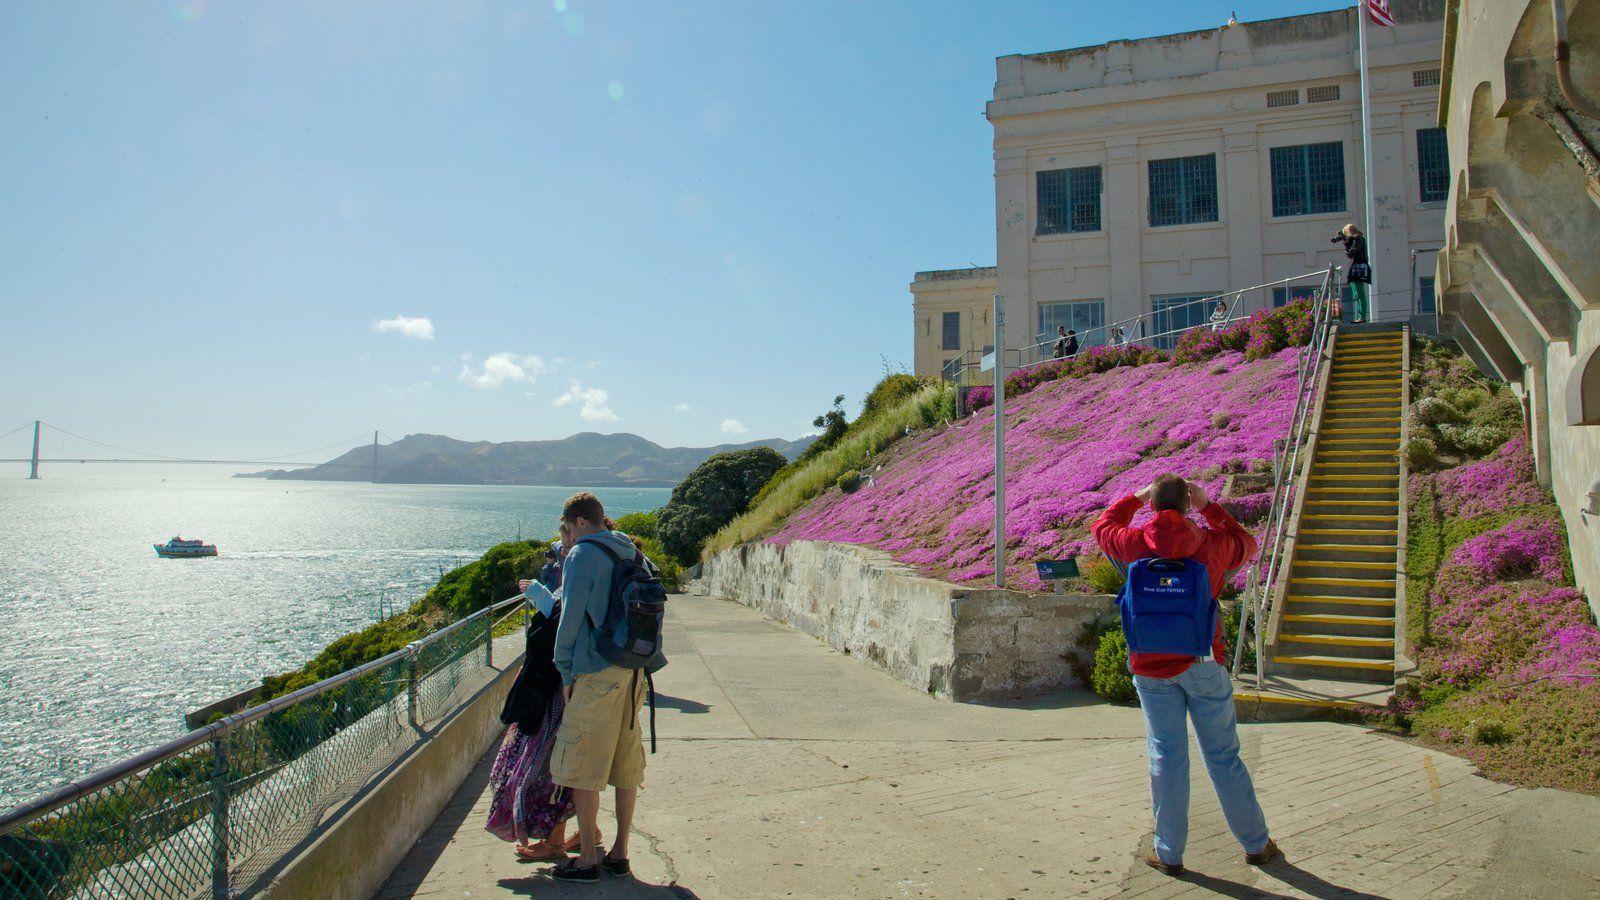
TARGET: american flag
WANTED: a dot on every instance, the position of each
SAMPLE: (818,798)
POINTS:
(1379,10)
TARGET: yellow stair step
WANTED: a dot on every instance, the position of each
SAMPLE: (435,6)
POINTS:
(1339,619)
(1338,640)
(1343,662)
(1347,564)
(1394,478)
(1319,581)
(1390,456)
(1358,548)
(1341,601)
(1347,532)
(1349,517)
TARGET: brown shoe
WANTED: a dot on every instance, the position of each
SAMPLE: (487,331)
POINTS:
(1268,853)
(1154,862)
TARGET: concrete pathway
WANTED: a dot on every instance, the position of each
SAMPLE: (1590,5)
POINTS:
(789,770)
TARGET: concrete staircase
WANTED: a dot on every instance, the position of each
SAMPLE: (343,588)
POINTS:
(1337,627)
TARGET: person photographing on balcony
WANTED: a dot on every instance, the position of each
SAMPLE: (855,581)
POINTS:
(1360,275)
(1173,626)
(1219,316)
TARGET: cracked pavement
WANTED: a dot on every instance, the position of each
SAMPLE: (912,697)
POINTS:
(789,770)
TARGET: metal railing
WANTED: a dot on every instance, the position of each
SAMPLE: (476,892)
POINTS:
(966,365)
(218,806)
(1261,579)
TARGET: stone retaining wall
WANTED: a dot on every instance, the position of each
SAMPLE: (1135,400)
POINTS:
(951,641)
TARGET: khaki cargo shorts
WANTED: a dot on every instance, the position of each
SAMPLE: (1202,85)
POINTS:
(599,741)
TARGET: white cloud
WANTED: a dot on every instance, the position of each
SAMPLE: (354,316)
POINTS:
(733,426)
(502,369)
(593,403)
(415,327)
(682,407)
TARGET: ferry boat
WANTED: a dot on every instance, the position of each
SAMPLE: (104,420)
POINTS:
(178,548)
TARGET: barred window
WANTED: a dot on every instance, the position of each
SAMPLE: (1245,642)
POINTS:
(1322,93)
(951,324)
(1308,179)
(1068,200)
(1426,302)
(1424,77)
(1183,190)
(1283,98)
(1433,164)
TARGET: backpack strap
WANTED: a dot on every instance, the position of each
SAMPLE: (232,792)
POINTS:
(615,559)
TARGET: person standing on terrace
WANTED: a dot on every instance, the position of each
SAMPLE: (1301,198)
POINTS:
(1219,316)
(1173,688)
(1360,275)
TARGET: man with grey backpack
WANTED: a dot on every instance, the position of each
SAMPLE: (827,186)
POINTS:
(607,645)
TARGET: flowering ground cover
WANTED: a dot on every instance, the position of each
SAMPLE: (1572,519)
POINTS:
(1507,648)
(1074,443)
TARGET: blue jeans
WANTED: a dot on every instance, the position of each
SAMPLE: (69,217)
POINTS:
(1204,693)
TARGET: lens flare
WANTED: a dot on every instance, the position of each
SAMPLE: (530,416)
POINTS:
(614,90)
(561,6)
(188,10)
(573,23)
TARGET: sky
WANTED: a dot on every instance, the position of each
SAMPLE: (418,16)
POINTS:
(238,228)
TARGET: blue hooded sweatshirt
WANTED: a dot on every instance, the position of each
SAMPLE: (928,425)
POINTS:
(585,594)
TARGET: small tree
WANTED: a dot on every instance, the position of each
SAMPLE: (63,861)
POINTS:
(713,494)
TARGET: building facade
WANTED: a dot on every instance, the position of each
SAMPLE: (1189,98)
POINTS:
(953,311)
(1520,275)
(1135,177)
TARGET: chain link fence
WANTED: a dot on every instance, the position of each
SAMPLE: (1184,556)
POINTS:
(218,807)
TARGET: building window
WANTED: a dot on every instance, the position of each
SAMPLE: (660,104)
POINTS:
(951,324)
(1280,296)
(1068,200)
(1086,317)
(1424,77)
(1289,97)
(1308,179)
(1173,313)
(1425,299)
(1322,93)
(1183,190)
(1433,164)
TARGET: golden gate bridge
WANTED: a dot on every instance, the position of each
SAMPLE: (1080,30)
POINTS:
(39,442)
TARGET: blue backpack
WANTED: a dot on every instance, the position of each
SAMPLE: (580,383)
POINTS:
(1167,607)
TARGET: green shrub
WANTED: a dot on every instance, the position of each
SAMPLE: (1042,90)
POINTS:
(640,524)
(849,481)
(1435,411)
(1420,454)
(1111,679)
(1103,576)
(892,391)
(671,569)
(713,494)
(1474,441)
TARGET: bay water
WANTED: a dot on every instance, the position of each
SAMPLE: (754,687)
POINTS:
(104,646)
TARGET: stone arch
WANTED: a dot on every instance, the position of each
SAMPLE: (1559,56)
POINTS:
(1583,390)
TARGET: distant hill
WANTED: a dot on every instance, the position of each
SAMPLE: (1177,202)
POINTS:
(587,459)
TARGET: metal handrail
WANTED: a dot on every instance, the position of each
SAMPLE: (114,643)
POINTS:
(1262,577)
(1235,295)
(101,778)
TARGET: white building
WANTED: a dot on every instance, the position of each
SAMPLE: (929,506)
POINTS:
(1136,176)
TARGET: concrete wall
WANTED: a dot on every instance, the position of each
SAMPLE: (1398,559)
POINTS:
(354,853)
(1520,277)
(954,642)
(969,293)
(1123,104)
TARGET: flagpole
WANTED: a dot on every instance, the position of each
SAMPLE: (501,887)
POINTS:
(1366,126)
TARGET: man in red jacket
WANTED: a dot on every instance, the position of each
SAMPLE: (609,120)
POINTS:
(1174,688)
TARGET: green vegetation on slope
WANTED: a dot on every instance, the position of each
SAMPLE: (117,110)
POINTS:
(889,414)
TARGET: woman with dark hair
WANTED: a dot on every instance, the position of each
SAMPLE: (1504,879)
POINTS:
(1359,276)
(527,807)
